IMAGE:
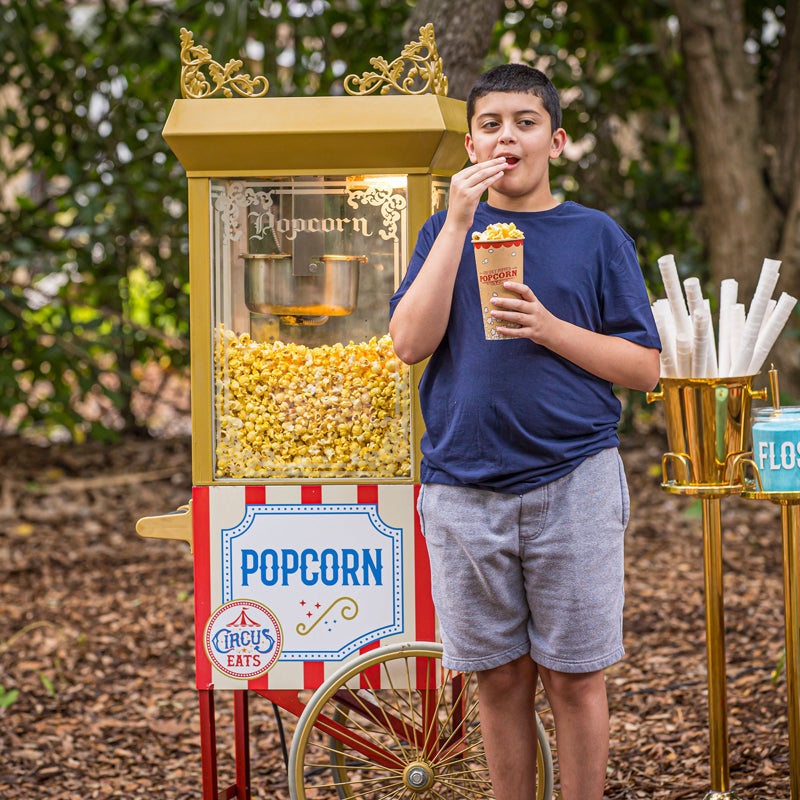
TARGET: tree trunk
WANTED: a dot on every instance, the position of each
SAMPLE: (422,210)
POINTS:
(741,221)
(747,147)
(463,30)
(781,123)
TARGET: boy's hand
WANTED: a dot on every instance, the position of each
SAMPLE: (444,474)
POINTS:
(467,188)
(534,320)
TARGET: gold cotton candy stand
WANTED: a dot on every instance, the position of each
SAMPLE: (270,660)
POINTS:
(708,435)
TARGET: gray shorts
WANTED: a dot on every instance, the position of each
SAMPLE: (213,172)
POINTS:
(539,573)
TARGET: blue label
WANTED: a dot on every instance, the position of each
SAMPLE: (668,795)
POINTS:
(776,451)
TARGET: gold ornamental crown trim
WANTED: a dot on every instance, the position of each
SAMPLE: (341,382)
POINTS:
(195,85)
(420,61)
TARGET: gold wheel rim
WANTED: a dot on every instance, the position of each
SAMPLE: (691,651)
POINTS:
(390,719)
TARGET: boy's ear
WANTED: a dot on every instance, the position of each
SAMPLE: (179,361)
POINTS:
(470,149)
(557,142)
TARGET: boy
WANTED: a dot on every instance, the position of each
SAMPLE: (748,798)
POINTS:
(524,501)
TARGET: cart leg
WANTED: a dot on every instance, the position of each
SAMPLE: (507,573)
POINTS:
(208,744)
(791,600)
(241,727)
(715,649)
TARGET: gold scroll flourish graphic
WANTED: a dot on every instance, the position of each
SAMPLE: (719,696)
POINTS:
(391,204)
(195,85)
(417,70)
(348,612)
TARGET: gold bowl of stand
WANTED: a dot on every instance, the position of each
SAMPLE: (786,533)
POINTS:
(708,429)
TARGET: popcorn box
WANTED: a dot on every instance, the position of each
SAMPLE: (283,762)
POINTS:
(497,261)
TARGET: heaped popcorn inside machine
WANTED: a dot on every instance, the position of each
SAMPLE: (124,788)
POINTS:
(310,572)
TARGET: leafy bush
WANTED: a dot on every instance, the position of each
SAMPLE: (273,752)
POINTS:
(93,222)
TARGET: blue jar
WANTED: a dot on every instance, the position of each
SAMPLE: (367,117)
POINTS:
(776,448)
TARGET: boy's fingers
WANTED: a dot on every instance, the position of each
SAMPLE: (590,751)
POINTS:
(489,163)
(494,167)
(479,172)
(521,289)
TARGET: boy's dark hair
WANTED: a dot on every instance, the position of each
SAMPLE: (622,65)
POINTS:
(516,78)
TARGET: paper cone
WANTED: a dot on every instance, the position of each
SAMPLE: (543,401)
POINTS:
(497,261)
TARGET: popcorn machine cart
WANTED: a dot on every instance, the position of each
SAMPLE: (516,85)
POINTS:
(310,572)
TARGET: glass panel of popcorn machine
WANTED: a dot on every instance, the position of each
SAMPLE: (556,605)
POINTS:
(306,381)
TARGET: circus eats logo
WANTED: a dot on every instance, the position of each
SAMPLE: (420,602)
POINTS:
(243,639)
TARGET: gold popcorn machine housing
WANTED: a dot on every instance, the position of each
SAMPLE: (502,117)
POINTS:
(301,215)
(310,568)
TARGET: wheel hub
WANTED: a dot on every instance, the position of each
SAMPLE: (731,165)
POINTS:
(418,776)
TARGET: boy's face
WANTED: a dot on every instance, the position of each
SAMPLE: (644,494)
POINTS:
(517,126)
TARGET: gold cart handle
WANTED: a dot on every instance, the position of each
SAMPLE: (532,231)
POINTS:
(175,525)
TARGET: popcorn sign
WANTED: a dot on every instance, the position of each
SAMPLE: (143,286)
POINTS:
(291,580)
(331,573)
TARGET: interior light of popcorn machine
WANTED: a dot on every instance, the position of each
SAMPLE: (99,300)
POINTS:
(306,380)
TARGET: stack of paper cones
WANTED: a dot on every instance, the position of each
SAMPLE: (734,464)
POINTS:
(685,325)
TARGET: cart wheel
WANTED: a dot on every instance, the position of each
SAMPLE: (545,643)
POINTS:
(355,740)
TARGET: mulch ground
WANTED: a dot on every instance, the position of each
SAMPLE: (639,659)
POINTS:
(96,637)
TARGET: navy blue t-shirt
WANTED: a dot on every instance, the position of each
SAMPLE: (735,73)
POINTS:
(511,415)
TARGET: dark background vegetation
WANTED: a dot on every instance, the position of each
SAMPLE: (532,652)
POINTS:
(93,226)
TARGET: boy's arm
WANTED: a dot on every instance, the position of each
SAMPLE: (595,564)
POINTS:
(611,358)
(420,319)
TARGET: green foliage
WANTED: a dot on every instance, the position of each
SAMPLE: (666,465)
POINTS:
(694,510)
(308,47)
(621,74)
(8,696)
(48,684)
(776,673)
(93,223)
(99,201)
